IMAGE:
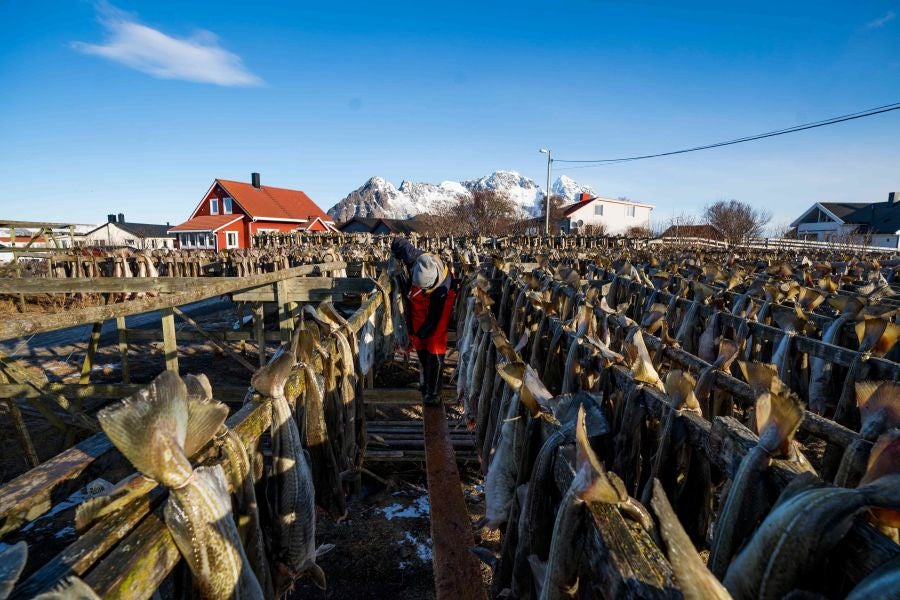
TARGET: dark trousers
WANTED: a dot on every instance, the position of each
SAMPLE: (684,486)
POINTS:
(432,367)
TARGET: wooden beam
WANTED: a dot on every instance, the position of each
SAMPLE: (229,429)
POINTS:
(88,364)
(285,320)
(122,333)
(210,288)
(107,391)
(259,330)
(310,289)
(31,456)
(170,344)
(221,345)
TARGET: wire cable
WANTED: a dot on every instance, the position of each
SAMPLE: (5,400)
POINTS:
(830,121)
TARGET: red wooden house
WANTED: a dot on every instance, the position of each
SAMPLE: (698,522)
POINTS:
(231,212)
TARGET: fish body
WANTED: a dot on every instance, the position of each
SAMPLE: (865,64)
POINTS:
(820,369)
(157,430)
(797,535)
(500,482)
(883,583)
(294,501)
(778,416)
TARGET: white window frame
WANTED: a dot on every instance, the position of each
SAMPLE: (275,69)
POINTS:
(630,211)
(598,210)
(227,205)
(231,235)
(213,206)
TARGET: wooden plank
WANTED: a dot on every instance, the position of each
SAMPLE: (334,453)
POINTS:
(122,334)
(170,343)
(222,335)
(210,288)
(621,559)
(31,494)
(222,346)
(401,396)
(457,573)
(132,570)
(310,289)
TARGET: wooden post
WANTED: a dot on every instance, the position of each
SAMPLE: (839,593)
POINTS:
(123,349)
(88,362)
(259,330)
(285,321)
(170,345)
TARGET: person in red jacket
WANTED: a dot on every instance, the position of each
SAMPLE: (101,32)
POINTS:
(431,295)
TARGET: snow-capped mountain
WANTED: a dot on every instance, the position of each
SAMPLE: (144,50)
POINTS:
(380,198)
(570,189)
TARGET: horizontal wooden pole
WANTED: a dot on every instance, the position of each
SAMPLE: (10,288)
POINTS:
(309,289)
(212,287)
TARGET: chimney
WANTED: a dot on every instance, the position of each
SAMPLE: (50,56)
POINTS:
(121,217)
(893,198)
(584,196)
(110,218)
(254,180)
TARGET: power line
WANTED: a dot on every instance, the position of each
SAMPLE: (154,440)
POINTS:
(831,121)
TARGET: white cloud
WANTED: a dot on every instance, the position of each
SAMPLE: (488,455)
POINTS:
(197,58)
(882,20)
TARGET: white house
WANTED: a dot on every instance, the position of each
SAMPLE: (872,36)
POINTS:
(867,223)
(118,232)
(616,215)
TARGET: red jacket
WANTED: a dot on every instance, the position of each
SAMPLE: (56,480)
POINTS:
(420,302)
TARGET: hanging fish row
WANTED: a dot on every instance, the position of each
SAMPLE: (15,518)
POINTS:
(577,345)
(237,542)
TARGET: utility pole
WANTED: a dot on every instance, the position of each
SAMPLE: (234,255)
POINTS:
(547,194)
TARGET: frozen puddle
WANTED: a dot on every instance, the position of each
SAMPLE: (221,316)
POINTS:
(420,508)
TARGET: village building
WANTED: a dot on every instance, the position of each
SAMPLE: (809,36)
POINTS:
(117,232)
(865,223)
(616,216)
(232,212)
(705,231)
(381,226)
(591,214)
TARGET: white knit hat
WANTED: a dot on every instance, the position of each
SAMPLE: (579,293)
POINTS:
(427,271)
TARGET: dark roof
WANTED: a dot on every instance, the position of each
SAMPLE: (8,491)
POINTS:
(145,230)
(416,224)
(842,209)
(878,217)
(707,231)
(141,230)
(370,223)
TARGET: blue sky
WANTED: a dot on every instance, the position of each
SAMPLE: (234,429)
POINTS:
(136,107)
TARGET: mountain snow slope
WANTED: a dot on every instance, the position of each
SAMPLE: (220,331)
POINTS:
(380,198)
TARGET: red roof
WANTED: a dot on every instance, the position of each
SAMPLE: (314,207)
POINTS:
(207,223)
(267,202)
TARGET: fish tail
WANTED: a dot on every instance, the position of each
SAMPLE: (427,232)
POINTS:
(150,427)
(778,418)
(591,483)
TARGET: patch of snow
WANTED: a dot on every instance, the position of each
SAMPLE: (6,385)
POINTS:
(419,509)
(64,532)
(423,549)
